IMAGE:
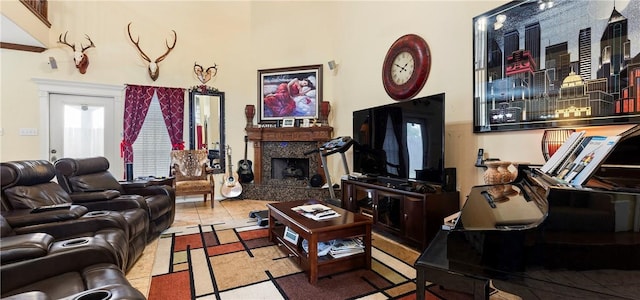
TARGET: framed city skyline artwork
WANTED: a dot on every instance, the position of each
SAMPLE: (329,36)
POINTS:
(549,64)
(289,93)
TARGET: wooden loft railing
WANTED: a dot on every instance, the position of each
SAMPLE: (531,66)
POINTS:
(38,8)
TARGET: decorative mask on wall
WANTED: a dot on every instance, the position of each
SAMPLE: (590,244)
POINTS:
(79,57)
(205,75)
(154,69)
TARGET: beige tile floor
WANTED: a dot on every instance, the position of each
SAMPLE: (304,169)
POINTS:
(192,211)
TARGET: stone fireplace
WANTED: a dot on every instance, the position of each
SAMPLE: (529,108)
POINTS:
(278,150)
(279,157)
(289,167)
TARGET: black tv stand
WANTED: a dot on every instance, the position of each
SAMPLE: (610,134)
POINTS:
(391,182)
(411,216)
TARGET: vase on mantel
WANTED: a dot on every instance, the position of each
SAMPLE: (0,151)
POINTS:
(325,109)
(249,113)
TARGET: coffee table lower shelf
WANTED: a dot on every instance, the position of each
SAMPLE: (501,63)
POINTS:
(349,225)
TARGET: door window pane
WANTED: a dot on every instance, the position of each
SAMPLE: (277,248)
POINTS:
(415,147)
(83,130)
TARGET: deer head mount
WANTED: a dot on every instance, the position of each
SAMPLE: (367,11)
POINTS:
(205,75)
(154,69)
(79,57)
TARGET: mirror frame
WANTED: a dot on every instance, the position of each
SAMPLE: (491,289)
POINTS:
(207,91)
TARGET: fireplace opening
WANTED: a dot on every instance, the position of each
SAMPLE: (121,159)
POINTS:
(285,168)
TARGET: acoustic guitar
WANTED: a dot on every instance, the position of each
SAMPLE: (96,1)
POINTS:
(245,166)
(231,188)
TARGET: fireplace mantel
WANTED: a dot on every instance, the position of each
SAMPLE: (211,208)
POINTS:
(289,134)
(259,135)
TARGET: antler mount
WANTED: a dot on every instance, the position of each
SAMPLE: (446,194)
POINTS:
(154,69)
(79,57)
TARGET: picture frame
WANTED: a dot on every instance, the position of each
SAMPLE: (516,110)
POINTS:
(291,235)
(294,92)
(288,122)
(553,64)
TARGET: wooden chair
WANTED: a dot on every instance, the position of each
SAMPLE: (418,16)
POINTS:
(192,174)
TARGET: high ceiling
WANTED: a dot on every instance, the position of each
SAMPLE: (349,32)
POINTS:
(11,33)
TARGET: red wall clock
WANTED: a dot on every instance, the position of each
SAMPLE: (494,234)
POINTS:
(406,67)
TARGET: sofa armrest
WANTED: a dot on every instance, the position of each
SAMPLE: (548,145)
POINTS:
(134,184)
(93,196)
(120,203)
(90,222)
(22,247)
(151,190)
(25,217)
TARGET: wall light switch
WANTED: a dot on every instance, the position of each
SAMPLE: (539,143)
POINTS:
(28,131)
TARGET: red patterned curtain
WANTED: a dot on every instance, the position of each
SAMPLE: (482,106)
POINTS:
(136,105)
(172,106)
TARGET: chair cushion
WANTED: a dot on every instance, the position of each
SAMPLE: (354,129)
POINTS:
(95,181)
(22,197)
(32,172)
(25,246)
(193,186)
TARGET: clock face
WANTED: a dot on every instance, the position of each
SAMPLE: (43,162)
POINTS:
(406,67)
(402,68)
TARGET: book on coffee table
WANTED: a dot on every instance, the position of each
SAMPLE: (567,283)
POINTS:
(316,211)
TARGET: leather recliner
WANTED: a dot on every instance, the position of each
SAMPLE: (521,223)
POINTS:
(86,176)
(35,266)
(27,185)
(106,228)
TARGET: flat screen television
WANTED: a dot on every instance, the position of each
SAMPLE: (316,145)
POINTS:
(402,140)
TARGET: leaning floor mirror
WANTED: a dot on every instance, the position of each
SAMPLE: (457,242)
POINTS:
(206,124)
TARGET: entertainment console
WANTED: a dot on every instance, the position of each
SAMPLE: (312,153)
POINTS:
(412,216)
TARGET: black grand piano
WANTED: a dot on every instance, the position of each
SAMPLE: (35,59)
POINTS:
(538,238)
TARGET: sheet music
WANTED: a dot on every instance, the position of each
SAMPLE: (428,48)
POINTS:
(590,158)
(562,153)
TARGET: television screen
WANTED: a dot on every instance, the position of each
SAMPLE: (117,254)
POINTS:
(403,140)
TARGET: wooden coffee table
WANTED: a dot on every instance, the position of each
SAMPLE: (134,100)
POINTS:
(347,225)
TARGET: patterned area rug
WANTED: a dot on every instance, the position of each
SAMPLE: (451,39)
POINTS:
(236,261)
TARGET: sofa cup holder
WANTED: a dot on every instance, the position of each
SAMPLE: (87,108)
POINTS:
(97,213)
(94,295)
(76,242)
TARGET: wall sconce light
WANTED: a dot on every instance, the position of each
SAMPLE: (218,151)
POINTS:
(332,64)
(52,62)
(552,139)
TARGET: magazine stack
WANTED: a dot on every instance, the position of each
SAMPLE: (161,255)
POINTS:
(346,247)
(323,247)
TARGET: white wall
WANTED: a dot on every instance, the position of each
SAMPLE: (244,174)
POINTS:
(245,36)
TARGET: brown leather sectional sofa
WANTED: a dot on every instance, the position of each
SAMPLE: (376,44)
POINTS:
(55,245)
(88,181)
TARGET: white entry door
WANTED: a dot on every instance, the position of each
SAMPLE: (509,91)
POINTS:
(81,126)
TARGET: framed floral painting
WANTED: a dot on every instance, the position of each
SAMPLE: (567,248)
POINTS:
(286,93)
